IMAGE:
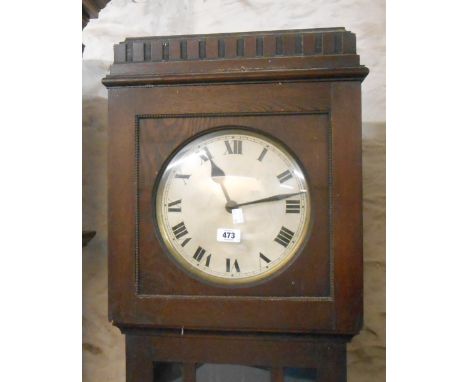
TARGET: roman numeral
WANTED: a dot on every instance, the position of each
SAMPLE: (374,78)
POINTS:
(236,148)
(293,206)
(284,237)
(179,230)
(175,206)
(284,176)
(228,265)
(205,156)
(262,154)
(183,177)
(199,253)
(207,262)
(186,241)
(264,258)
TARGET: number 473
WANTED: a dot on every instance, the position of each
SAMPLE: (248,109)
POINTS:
(229,235)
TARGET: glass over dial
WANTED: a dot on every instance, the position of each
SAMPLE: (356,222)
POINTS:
(232,206)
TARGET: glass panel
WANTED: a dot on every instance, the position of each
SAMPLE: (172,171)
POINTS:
(167,372)
(292,374)
(210,372)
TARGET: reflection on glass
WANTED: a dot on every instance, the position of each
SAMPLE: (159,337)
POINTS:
(292,374)
(167,372)
(232,373)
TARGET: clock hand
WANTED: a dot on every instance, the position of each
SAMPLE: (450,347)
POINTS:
(215,170)
(273,198)
(226,195)
(218,175)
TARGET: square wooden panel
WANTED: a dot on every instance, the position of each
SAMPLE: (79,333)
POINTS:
(310,276)
(321,291)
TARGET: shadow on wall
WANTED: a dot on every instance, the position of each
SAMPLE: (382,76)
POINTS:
(103,344)
(366,353)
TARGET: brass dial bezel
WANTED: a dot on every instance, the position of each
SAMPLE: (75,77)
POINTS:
(165,236)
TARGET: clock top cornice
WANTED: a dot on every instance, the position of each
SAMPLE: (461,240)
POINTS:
(321,54)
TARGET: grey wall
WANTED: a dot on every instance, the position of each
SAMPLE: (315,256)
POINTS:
(103,345)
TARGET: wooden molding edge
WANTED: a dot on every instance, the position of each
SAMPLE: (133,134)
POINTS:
(353,74)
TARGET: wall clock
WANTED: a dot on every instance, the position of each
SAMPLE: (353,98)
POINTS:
(235,203)
(232,206)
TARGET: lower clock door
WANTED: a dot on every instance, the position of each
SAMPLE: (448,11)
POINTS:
(212,372)
(213,357)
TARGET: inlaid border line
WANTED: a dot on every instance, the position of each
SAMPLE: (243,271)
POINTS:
(139,117)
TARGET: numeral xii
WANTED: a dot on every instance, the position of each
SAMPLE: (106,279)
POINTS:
(235,148)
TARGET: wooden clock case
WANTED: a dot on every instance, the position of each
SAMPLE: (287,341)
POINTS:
(302,87)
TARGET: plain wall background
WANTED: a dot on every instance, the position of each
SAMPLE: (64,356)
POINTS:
(103,345)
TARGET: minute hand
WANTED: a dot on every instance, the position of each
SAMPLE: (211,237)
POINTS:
(273,198)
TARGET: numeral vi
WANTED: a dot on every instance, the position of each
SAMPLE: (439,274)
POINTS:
(228,265)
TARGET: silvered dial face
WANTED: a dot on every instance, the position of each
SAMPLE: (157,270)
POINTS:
(233,206)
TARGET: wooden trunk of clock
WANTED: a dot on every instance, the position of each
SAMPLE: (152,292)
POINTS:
(302,88)
(322,359)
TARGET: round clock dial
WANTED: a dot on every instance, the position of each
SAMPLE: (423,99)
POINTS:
(232,206)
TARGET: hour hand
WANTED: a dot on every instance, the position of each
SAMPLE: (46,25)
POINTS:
(216,172)
(218,175)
